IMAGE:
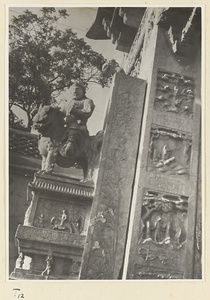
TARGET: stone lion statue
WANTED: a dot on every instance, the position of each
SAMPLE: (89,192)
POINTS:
(55,146)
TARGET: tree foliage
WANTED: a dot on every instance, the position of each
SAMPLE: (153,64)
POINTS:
(44,58)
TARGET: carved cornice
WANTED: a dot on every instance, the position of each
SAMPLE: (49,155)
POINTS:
(57,184)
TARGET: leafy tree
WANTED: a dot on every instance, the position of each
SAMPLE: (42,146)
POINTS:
(44,58)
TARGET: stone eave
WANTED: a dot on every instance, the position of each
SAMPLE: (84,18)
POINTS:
(183,28)
(96,31)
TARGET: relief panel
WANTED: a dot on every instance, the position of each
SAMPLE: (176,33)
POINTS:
(169,151)
(155,273)
(163,219)
(175,94)
(163,235)
(61,216)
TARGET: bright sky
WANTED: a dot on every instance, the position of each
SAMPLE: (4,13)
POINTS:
(80,20)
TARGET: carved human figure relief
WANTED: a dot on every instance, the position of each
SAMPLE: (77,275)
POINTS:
(163,219)
(20,261)
(49,262)
(71,221)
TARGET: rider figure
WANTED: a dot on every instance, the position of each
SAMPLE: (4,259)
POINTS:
(77,111)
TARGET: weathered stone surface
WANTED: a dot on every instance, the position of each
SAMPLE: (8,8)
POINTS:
(175,94)
(170,151)
(59,203)
(49,236)
(161,244)
(104,250)
(61,270)
(97,31)
(23,162)
(118,24)
(53,235)
(162,238)
(182,31)
(143,35)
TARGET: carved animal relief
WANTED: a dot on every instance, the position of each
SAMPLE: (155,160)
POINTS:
(175,93)
(163,220)
(169,151)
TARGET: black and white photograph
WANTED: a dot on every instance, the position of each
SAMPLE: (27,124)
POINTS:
(105,160)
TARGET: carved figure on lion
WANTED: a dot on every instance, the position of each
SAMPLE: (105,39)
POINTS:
(65,139)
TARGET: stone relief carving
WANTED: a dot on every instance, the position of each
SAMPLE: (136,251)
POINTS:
(163,183)
(39,221)
(27,214)
(65,139)
(156,273)
(175,93)
(135,71)
(99,267)
(111,67)
(74,268)
(49,262)
(199,236)
(50,214)
(109,220)
(163,219)
(149,255)
(20,261)
(62,222)
(169,151)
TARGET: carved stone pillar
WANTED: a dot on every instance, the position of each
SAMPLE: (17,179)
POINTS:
(162,229)
(105,245)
